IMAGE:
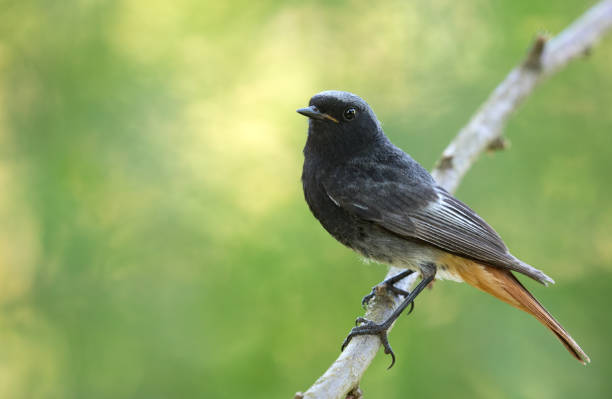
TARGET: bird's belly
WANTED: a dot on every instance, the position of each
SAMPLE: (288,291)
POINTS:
(377,244)
(385,248)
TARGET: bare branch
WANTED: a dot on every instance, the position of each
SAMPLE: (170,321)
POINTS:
(544,59)
(482,133)
(345,373)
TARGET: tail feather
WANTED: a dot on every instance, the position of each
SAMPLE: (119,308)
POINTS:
(531,305)
(531,271)
(503,285)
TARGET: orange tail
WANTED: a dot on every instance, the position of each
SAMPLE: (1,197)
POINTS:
(503,285)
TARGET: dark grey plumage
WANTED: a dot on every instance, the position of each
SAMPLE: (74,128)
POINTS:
(375,199)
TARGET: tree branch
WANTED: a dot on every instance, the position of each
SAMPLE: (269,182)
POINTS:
(483,132)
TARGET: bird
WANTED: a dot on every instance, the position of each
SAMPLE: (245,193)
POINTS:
(377,200)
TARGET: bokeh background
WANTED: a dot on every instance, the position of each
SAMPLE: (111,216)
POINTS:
(154,240)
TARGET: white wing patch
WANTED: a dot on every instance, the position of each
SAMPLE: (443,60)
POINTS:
(443,208)
(333,199)
(354,204)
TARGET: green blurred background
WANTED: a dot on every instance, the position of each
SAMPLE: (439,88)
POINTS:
(154,240)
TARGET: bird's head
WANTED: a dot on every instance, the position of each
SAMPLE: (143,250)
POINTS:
(341,123)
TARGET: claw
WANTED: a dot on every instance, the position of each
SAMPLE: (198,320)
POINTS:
(346,342)
(368,327)
(392,359)
(384,339)
(411,308)
(366,299)
(389,285)
(397,291)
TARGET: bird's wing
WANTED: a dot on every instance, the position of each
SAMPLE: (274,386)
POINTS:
(423,211)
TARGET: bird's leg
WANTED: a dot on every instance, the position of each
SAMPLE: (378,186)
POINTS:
(389,285)
(370,328)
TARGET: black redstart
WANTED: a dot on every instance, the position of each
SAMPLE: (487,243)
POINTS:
(375,199)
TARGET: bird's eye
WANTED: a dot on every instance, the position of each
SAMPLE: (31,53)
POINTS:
(350,114)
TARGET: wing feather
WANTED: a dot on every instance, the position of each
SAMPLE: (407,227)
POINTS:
(427,213)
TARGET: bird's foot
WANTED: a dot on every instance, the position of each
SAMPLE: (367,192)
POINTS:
(385,286)
(388,285)
(367,327)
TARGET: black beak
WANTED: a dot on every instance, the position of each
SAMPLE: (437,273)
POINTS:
(313,113)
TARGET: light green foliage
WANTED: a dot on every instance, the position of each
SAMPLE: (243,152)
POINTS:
(154,240)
